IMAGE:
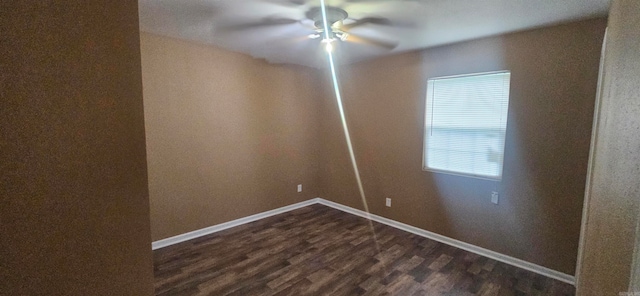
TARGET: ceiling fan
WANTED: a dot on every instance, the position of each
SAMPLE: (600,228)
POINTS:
(339,30)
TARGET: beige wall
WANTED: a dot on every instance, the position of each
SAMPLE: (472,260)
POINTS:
(553,87)
(634,283)
(228,136)
(74,214)
(614,190)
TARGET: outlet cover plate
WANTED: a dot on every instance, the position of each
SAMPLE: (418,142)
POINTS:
(494,197)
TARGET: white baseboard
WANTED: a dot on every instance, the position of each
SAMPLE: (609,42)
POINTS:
(219,227)
(408,228)
(455,243)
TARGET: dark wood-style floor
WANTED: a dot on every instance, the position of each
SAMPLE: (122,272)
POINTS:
(318,250)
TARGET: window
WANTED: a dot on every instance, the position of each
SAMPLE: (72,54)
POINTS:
(465,124)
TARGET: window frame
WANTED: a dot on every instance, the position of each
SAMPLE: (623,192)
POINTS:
(425,167)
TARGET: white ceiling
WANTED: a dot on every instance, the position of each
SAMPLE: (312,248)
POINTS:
(416,23)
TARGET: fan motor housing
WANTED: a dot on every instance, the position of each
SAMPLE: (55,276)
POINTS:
(334,15)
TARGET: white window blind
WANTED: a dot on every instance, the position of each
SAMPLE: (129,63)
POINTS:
(465,124)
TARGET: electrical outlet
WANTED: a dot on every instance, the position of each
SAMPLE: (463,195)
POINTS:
(494,197)
(388,202)
(299,187)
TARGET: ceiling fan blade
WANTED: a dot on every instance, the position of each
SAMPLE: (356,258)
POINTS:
(366,20)
(371,41)
(290,40)
(266,22)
